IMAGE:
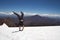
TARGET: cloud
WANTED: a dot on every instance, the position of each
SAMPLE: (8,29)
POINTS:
(6,13)
(30,14)
(43,14)
(50,15)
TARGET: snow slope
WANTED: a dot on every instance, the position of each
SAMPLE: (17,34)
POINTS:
(5,33)
(30,33)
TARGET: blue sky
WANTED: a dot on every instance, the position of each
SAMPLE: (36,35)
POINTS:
(33,6)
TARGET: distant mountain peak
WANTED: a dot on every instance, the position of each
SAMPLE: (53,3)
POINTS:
(36,16)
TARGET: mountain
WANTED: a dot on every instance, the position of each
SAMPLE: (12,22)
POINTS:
(10,20)
(2,15)
(35,20)
(31,19)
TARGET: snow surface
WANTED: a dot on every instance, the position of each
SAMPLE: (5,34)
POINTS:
(30,33)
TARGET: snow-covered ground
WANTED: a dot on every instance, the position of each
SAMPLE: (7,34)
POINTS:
(30,33)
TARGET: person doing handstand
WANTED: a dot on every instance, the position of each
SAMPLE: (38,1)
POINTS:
(21,20)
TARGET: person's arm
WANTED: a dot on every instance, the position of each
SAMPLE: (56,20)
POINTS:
(19,17)
(22,14)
